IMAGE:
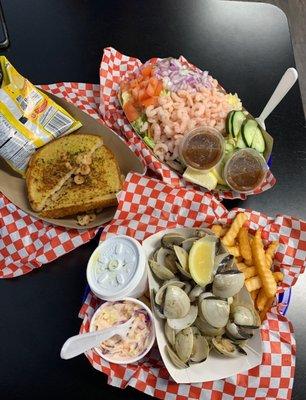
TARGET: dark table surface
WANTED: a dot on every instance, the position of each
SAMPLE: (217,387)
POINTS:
(246,47)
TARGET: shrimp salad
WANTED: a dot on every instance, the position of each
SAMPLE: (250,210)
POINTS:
(167,98)
(138,336)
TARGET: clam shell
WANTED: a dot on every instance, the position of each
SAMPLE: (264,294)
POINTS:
(228,283)
(187,243)
(200,349)
(184,344)
(160,271)
(175,359)
(166,257)
(171,239)
(195,292)
(182,257)
(245,315)
(235,332)
(182,323)
(176,303)
(170,334)
(207,329)
(226,347)
(215,311)
(159,297)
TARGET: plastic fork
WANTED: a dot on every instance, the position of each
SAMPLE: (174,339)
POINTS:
(285,84)
(78,344)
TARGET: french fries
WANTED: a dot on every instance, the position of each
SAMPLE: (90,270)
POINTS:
(233,250)
(252,260)
(244,245)
(254,294)
(249,272)
(219,230)
(231,234)
(255,282)
(265,274)
(270,252)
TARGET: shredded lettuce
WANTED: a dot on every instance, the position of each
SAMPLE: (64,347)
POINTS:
(125,97)
(149,141)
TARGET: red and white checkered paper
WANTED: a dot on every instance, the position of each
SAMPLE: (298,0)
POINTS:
(116,67)
(147,206)
(26,242)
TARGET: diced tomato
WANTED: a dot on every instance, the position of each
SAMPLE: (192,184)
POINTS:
(159,88)
(135,92)
(142,95)
(150,90)
(147,70)
(130,111)
(154,82)
(133,83)
(152,101)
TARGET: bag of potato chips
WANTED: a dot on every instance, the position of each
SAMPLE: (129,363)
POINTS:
(28,118)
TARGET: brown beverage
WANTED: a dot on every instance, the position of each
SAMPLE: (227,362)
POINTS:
(202,148)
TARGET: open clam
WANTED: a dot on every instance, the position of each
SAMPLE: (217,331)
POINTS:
(170,334)
(235,332)
(159,296)
(160,271)
(226,347)
(182,257)
(215,311)
(245,315)
(172,239)
(184,344)
(228,283)
(182,323)
(195,292)
(166,257)
(207,329)
(176,303)
(187,243)
(223,262)
(200,349)
(175,359)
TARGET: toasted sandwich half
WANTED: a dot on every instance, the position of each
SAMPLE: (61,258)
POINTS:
(82,176)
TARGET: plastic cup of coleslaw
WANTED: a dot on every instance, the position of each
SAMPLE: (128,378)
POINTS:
(117,269)
(140,337)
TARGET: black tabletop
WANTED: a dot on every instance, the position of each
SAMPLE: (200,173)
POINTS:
(245,46)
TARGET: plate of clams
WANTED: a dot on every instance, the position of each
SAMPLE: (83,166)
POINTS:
(206,325)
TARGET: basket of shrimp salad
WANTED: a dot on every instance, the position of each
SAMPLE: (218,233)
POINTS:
(193,126)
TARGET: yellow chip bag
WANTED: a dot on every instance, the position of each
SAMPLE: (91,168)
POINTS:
(28,118)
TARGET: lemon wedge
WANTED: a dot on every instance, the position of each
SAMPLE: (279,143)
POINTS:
(217,171)
(201,261)
(206,179)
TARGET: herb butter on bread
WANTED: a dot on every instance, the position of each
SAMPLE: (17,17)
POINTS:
(71,175)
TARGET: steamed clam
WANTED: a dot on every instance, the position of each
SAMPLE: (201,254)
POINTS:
(200,318)
(176,303)
(226,347)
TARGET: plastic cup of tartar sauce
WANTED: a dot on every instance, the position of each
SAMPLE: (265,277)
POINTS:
(117,269)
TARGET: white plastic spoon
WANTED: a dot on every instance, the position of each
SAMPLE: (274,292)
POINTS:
(78,344)
(285,84)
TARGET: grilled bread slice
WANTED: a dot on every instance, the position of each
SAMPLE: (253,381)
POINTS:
(52,165)
(98,190)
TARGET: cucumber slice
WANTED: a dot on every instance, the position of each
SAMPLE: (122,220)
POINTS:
(258,142)
(229,122)
(237,119)
(240,142)
(248,131)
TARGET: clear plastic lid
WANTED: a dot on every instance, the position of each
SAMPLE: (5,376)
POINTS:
(202,148)
(245,170)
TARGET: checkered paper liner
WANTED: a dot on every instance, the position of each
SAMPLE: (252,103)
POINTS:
(26,242)
(116,67)
(147,206)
